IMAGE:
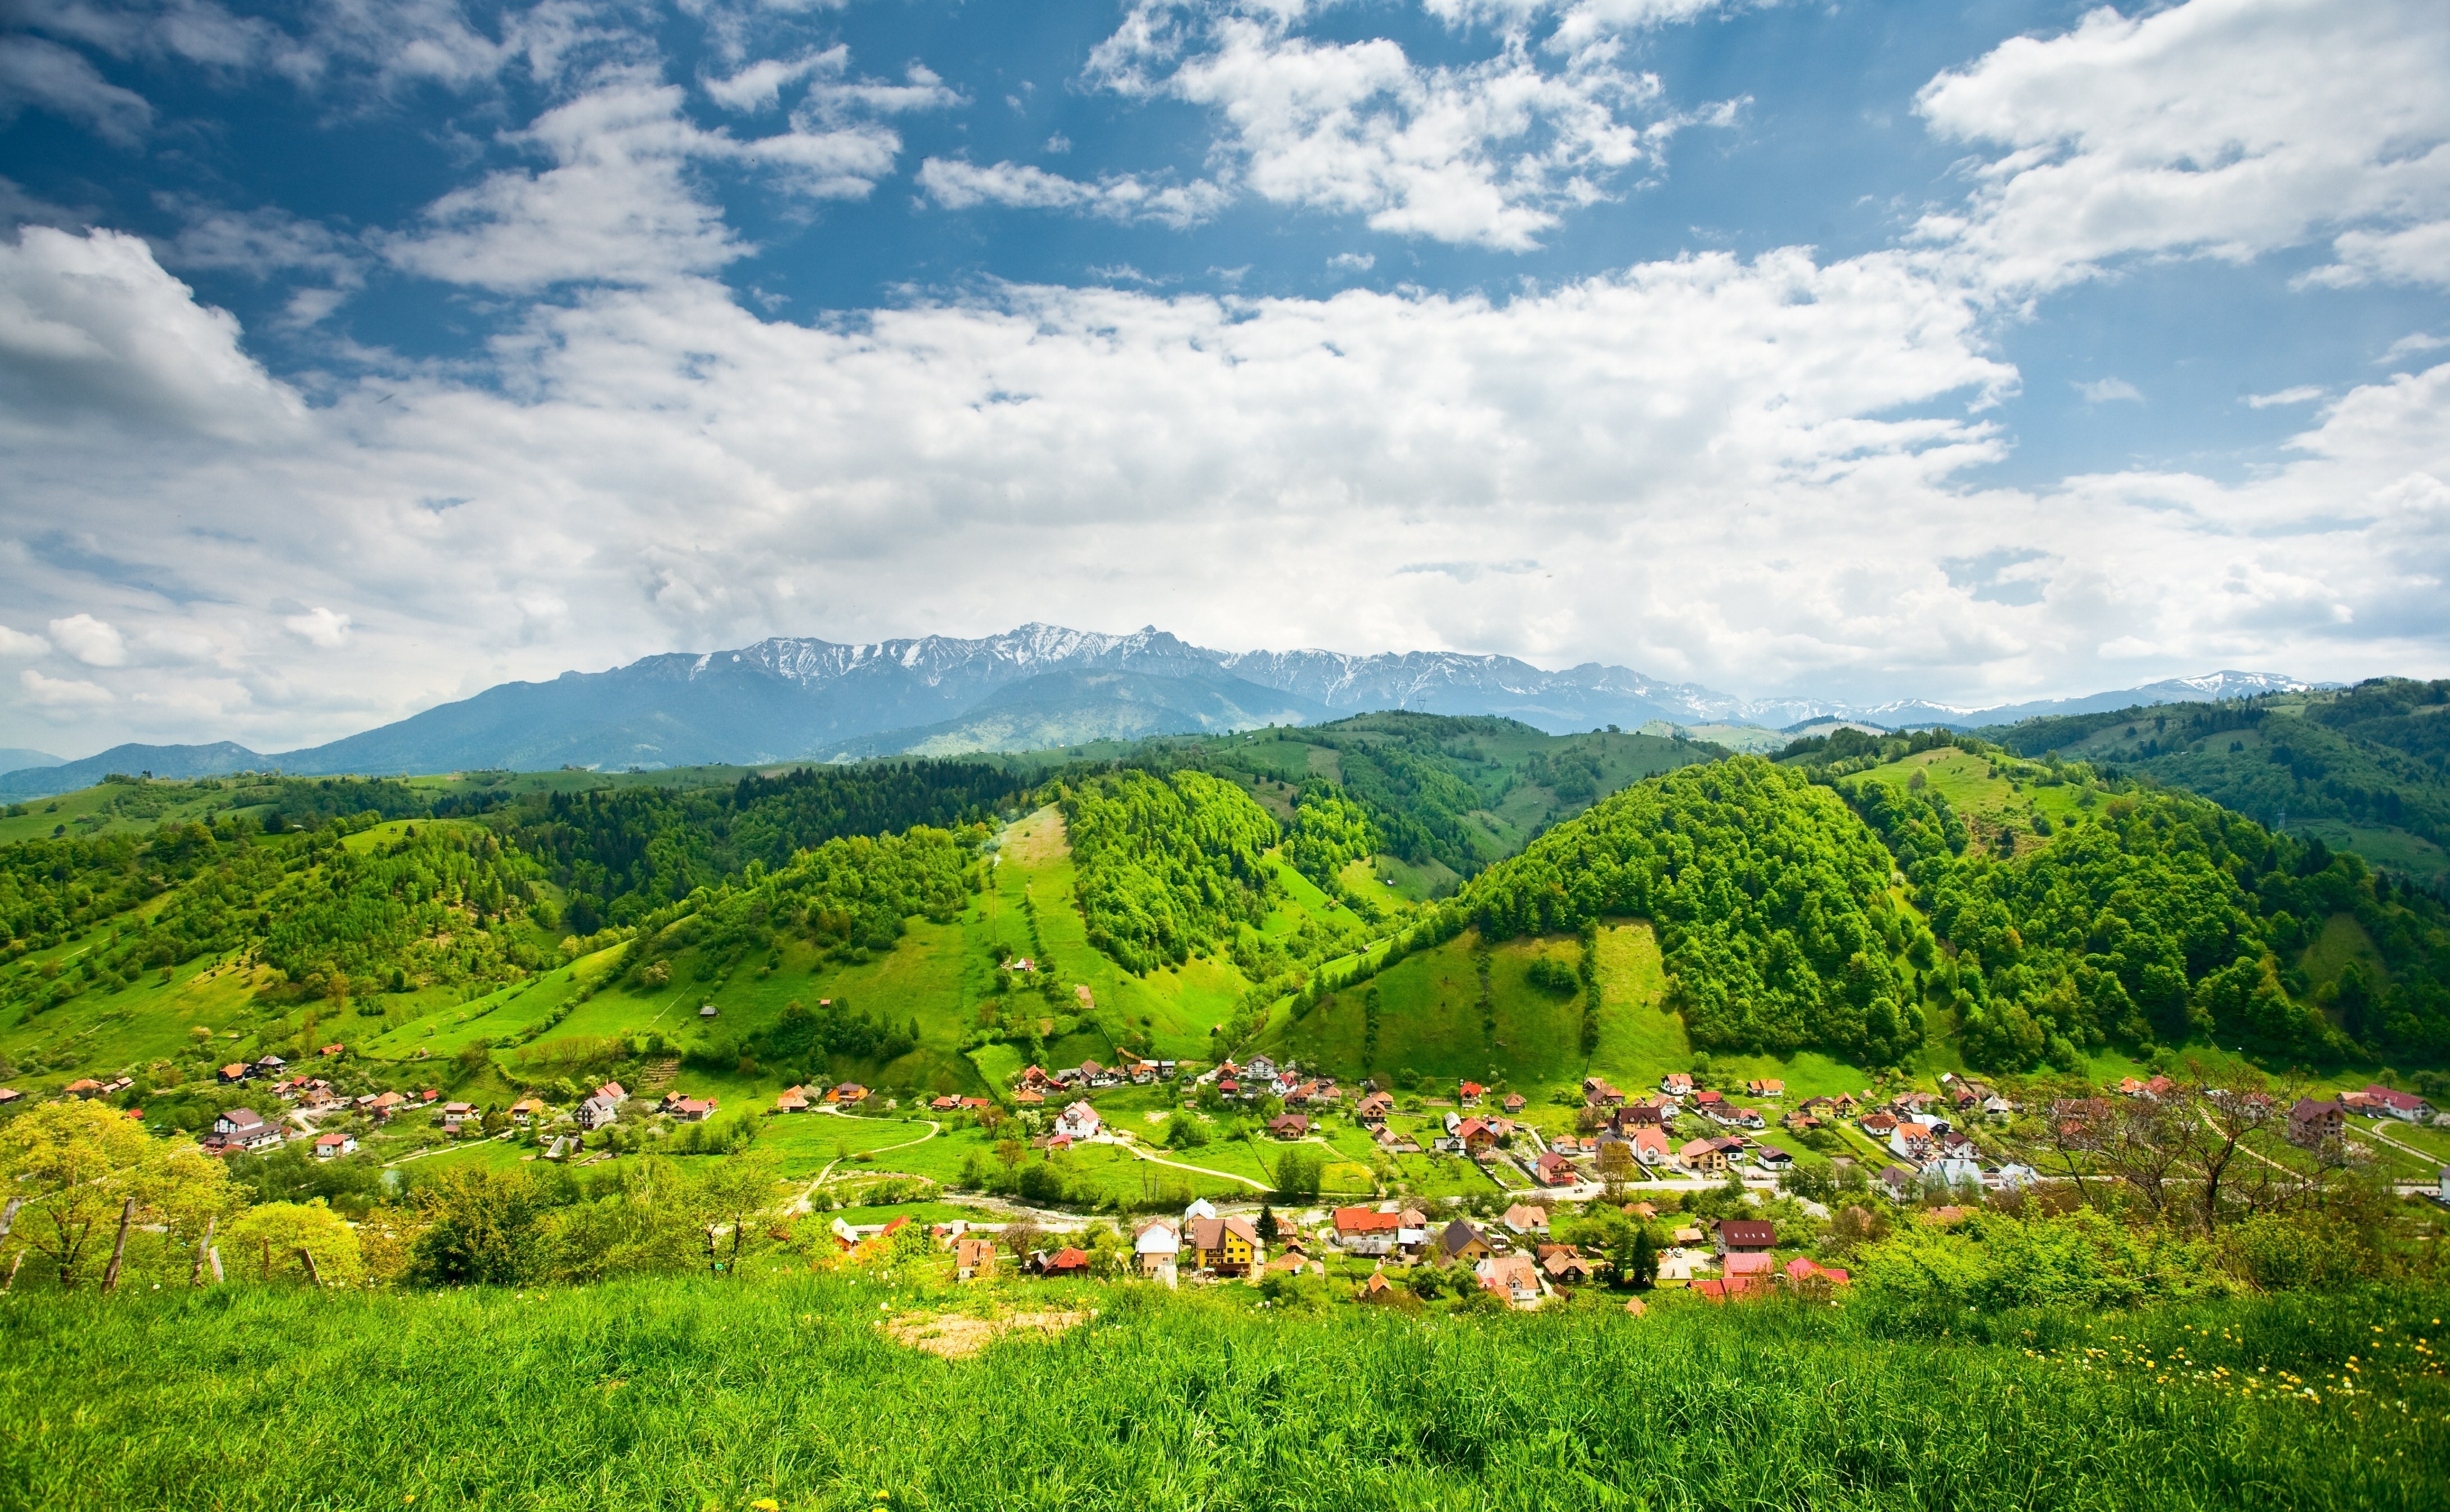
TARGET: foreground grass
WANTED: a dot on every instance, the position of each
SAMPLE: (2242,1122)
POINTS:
(687,1394)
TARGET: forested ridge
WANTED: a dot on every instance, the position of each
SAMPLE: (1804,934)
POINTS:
(623,852)
(444,903)
(1771,897)
(2377,753)
(2155,916)
(1167,866)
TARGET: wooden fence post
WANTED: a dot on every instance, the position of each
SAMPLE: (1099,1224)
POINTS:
(314,1274)
(203,1247)
(119,1248)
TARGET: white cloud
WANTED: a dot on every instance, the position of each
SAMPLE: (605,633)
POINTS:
(619,206)
(2302,393)
(2420,254)
(2412,343)
(1352,261)
(40,73)
(2108,391)
(58,692)
(1491,152)
(91,324)
(17,643)
(832,94)
(760,85)
(958,185)
(2222,129)
(1743,473)
(318,626)
(94,642)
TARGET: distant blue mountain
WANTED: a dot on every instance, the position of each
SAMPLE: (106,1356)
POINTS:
(1041,685)
(161,761)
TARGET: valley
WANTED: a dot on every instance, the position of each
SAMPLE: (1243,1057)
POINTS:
(1436,1019)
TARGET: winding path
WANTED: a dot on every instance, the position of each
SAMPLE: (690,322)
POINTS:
(800,1203)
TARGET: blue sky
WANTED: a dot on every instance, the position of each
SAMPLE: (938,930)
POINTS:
(355,357)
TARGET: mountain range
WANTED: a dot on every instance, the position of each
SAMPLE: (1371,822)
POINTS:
(1033,687)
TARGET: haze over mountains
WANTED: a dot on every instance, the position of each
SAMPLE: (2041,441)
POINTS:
(1036,687)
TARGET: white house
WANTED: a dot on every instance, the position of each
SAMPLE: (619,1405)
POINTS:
(329,1145)
(1156,1246)
(1952,1172)
(598,1111)
(1079,1121)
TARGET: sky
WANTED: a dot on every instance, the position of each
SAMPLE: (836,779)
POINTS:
(358,355)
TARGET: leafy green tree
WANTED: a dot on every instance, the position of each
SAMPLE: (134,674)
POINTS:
(273,1240)
(85,1180)
(482,1227)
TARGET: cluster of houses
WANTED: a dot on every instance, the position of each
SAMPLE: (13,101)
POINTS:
(1037,1084)
(810,1098)
(1514,1259)
(1922,1130)
(2315,1122)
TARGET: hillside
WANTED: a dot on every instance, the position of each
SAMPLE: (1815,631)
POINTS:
(2078,913)
(786,1390)
(2365,769)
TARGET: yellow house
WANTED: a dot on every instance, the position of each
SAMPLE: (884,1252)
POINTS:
(1227,1247)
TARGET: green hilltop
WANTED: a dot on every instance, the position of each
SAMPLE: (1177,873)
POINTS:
(2364,768)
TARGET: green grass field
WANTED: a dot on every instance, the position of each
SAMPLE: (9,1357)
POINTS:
(789,1392)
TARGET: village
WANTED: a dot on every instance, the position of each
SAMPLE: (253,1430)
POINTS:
(1681,1185)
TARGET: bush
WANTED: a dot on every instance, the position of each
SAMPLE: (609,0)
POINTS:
(2292,1252)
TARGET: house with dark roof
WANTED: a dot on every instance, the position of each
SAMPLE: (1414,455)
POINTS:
(2313,1124)
(1738,1236)
(1459,1240)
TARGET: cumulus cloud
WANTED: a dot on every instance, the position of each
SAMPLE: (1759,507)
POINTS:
(958,185)
(94,642)
(618,205)
(832,93)
(1490,152)
(17,643)
(2302,393)
(2108,391)
(61,693)
(2221,128)
(318,626)
(91,326)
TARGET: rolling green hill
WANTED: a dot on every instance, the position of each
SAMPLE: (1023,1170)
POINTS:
(1926,902)
(2365,768)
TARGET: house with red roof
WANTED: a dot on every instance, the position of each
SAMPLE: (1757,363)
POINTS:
(1366,1231)
(2406,1106)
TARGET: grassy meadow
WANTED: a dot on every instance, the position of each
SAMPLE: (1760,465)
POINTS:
(794,1391)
